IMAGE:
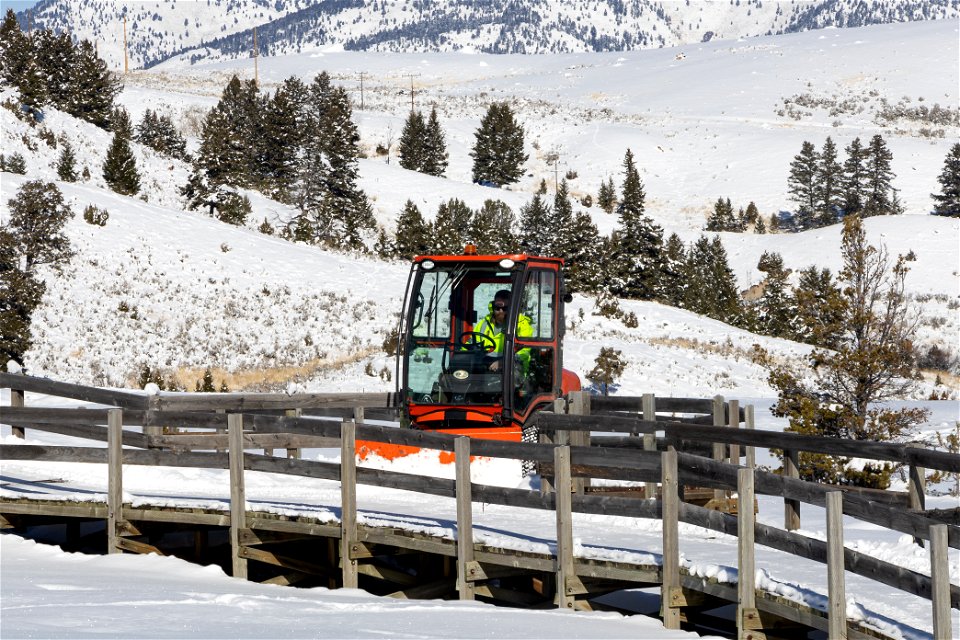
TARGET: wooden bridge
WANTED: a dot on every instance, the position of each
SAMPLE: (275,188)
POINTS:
(649,445)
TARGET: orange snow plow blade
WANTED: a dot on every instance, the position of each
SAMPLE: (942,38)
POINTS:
(388,451)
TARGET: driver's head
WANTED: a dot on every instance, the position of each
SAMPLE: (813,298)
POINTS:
(500,304)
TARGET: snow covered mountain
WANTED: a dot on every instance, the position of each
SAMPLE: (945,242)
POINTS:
(224,29)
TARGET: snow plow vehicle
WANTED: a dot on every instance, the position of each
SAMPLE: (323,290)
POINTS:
(480,346)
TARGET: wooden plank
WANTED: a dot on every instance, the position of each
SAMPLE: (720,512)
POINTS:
(287,562)
(564,521)
(464,519)
(837,607)
(114,478)
(940,579)
(123,399)
(126,544)
(238,498)
(348,503)
(750,422)
(238,402)
(670,517)
(746,561)
(404,540)
(733,422)
(634,403)
(719,448)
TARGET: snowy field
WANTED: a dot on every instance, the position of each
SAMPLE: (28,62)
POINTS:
(174,289)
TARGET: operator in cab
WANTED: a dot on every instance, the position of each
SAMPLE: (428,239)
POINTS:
(493,326)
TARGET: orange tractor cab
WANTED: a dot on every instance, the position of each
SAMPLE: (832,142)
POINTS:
(455,373)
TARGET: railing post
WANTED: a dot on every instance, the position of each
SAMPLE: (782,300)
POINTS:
(467,568)
(238,497)
(559,408)
(751,425)
(669,516)
(114,479)
(791,508)
(719,448)
(748,619)
(17,400)
(916,489)
(837,607)
(733,422)
(580,406)
(348,503)
(649,439)
(293,452)
(940,581)
(564,512)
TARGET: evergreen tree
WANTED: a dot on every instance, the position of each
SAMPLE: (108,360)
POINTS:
(947,202)
(872,362)
(157,132)
(67,163)
(234,208)
(608,367)
(451,226)
(20,294)
(19,67)
(413,233)
(607,196)
(750,217)
(56,57)
(774,313)
(497,154)
(491,228)
(880,199)
(282,138)
(673,282)
(854,182)
(37,219)
(711,288)
(16,163)
(722,218)
(560,223)
(534,227)
(435,156)
(817,301)
(92,87)
(584,260)
(829,179)
(120,167)
(802,184)
(638,244)
(412,138)
(760,227)
(120,122)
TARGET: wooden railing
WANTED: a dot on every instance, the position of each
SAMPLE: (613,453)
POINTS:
(620,458)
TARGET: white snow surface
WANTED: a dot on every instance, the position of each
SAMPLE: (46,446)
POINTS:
(177,290)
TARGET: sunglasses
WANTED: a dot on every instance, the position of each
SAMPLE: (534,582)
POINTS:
(499,307)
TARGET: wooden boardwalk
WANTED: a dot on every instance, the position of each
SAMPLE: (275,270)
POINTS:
(399,561)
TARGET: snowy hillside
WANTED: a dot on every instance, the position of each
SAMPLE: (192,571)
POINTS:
(223,29)
(179,291)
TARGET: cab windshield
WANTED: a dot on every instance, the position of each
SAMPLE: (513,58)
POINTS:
(449,356)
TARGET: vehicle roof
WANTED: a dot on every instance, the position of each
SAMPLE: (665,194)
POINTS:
(516,257)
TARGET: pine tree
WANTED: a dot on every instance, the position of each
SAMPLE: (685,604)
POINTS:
(435,156)
(120,167)
(638,244)
(673,282)
(16,163)
(711,288)
(413,233)
(120,123)
(608,367)
(854,182)
(412,137)
(607,196)
(20,294)
(497,154)
(750,216)
(451,226)
(37,219)
(584,259)
(760,227)
(829,179)
(947,202)
(871,362)
(774,313)
(92,88)
(282,137)
(817,301)
(491,228)
(880,199)
(157,132)
(802,184)
(722,218)
(19,67)
(560,224)
(56,56)
(67,163)
(534,227)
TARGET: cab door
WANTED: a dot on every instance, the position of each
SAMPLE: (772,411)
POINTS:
(536,376)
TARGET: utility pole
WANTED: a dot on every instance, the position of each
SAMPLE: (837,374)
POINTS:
(412,92)
(361,89)
(256,68)
(556,173)
(126,67)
